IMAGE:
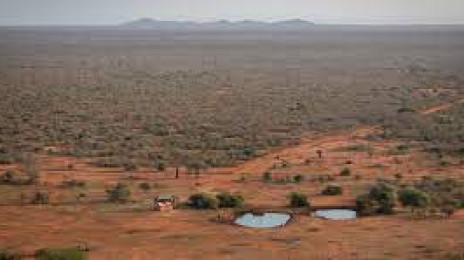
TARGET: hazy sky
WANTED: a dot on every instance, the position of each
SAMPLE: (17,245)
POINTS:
(320,11)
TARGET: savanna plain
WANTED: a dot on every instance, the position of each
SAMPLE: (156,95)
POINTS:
(96,123)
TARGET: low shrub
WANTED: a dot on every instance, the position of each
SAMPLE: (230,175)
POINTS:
(130,166)
(227,200)
(6,158)
(73,184)
(60,254)
(145,186)
(298,178)
(160,166)
(381,199)
(447,195)
(110,162)
(8,177)
(267,176)
(345,172)
(41,197)
(203,201)
(120,193)
(332,190)
(6,254)
(298,200)
(414,198)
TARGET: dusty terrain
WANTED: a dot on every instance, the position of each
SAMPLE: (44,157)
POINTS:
(241,105)
(135,232)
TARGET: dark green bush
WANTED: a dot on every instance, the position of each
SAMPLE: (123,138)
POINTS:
(332,189)
(161,166)
(73,184)
(6,254)
(130,166)
(227,200)
(345,172)
(366,206)
(298,200)
(8,177)
(6,158)
(60,254)
(120,193)
(298,178)
(267,176)
(414,198)
(41,197)
(446,194)
(203,201)
(145,186)
(110,162)
(461,151)
(381,199)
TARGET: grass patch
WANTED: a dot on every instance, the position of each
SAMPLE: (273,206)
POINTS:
(60,254)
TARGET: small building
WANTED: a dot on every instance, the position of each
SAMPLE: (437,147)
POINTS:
(165,202)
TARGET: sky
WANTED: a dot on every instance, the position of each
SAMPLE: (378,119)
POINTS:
(107,12)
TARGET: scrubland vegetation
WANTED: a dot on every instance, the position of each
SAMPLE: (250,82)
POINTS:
(95,124)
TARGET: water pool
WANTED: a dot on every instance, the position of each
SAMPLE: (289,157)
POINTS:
(266,220)
(336,214)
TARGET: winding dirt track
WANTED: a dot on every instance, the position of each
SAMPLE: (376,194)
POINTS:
(443,107)
(310,145)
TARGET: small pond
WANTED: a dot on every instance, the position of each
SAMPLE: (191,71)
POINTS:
(266,220)
(336,214)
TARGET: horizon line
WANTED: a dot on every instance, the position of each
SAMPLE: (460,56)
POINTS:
(232,21)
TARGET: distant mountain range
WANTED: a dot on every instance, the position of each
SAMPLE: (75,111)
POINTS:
(147,23)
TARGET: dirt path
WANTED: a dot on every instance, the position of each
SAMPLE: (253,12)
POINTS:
(440,108)
(301,151)
(309,146)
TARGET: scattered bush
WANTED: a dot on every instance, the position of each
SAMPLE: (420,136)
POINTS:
(6,159)
(130,166)
(267,176)
(8,177)
(414,198)
(41,197)
(73,184)
(446,194)
(120,193)
(160,166)
(60,254)
(6,254)
(30,168)
(332,189)
(381,199)
(243,177)
(203,201)
(298,178)
(325,178)
(110,162)
(345,172)
(298,200)
(227,200)
(460,151)
(145,186)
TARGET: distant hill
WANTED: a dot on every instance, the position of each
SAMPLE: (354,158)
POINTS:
(148,23)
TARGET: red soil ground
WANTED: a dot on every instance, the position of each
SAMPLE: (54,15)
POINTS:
(134,231)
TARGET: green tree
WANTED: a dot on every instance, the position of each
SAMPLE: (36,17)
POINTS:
(345,172)
(380,199)
(267,176)
(203,201)
(120,193)
(227,200)
(298,200)
(414,198)
(332,189)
